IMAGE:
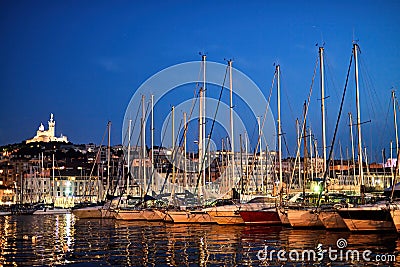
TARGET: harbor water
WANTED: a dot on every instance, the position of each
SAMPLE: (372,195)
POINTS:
(61,240)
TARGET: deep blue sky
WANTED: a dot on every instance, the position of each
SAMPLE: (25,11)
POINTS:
(83,60)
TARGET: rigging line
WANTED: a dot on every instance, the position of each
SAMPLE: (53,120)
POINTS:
(286,145)
(304,119)
(211,131)
(123,141)
(159,149)
(329,67)
(137,112)
(137,140)
(254,130)
(386,125)
(334,134)
(97,157)
(287,98)
(370,81)
(264,119)
(134,123)
(196,94)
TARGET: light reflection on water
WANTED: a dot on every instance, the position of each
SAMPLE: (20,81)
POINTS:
(65,240)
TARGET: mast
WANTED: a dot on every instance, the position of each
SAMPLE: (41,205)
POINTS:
(305,153)
(260,157)
(247,157)
(360,157)
(395,121)
(184,151)
(311,154)
(352,146)
(298,145)
(278,73)
(108,155)
(391,157)
(203,144)
(129,157)
(152,143)
(322,81)
(231,122)
(53,194)
(144,146)
(200,142)
(241,165)
(173,151)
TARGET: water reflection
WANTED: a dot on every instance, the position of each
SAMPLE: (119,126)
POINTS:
(63,239)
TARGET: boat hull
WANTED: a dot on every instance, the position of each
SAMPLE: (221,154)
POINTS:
(266,217)
(185,216)
(224,217)
(88,212)
(152,215)
(163,215)
(332,220)
(396,218)
(129,215)
(304,218)
(367,219)
(51,211)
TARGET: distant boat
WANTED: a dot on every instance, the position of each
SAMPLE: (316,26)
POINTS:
(22,209)
(5,210)
(48,209)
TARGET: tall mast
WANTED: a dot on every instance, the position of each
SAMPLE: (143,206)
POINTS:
(298,145)
(184,151)
(201,126)
(305,153)
(278,73)
(322,81)
(247,157)
(360,157)
(152,143)
(352,146)
(129,157)
(260,157)
(395,121)
(311,154)
(231,121)
(108,155)
(205,154)
(200,142)
(53,194)
(144,146)
(173,149)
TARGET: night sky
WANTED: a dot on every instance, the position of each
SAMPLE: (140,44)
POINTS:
(83,60)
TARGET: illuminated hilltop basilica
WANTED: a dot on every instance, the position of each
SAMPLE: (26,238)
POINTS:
(43,135)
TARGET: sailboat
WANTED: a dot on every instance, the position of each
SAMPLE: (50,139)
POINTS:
(368,217)
(195,214)
(263,210)
(95,210)
(303,215)
(328,215)
(49,208)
